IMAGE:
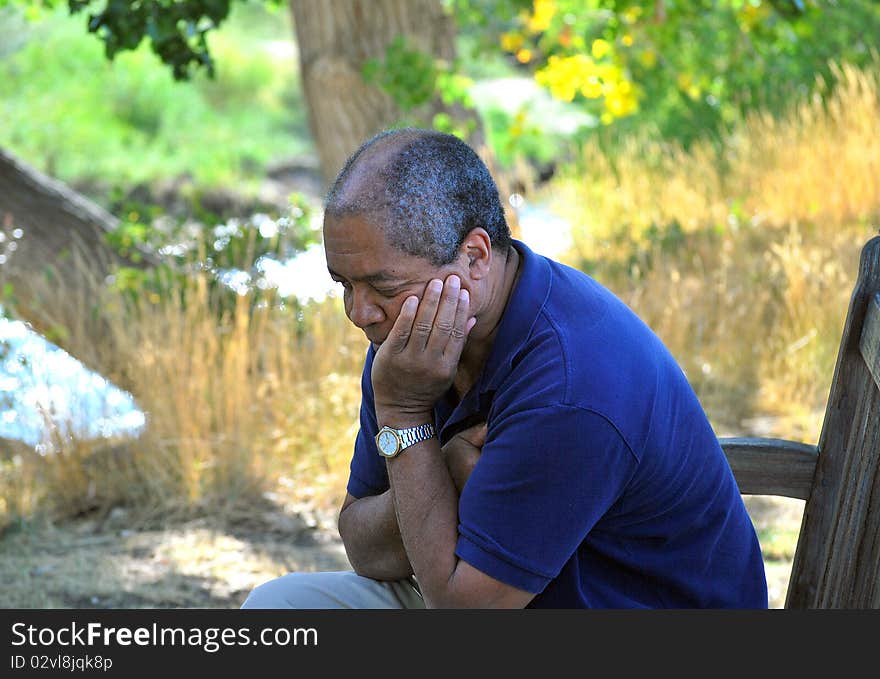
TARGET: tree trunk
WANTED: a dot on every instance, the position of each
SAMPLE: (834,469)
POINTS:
(336,38)
(54,255)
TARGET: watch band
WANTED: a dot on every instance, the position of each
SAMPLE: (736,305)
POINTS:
(413,435)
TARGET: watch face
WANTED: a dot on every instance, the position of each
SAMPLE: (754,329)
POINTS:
(387,443)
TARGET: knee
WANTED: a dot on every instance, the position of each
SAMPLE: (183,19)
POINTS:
(273,594)
(298,590)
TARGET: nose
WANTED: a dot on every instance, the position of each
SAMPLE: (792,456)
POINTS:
(363,311)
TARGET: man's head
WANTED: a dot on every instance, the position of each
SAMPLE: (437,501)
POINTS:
(425,190)
(409,206)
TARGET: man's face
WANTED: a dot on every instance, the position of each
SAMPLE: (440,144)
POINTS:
(375,276)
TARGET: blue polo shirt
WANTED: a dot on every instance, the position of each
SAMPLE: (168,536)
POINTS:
(601,483)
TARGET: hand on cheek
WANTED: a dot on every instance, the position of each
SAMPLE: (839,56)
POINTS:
(417,362)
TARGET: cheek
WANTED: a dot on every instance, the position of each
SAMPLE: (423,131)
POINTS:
(395,305)
(390,309)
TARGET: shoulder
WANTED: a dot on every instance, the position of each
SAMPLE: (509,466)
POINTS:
(569,332)
(586,349)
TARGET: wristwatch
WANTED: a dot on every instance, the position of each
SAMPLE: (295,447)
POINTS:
(391,442)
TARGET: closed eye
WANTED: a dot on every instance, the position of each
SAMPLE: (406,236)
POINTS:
(387,292)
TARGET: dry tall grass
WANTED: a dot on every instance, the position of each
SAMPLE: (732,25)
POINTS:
(240,399)
(743,260)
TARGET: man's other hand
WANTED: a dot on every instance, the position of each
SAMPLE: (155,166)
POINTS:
(462,451)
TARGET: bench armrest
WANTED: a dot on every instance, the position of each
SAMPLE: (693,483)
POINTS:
(765,466)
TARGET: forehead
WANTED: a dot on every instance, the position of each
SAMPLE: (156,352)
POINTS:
(358,250)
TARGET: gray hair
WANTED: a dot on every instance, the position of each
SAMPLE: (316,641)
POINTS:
(425,189)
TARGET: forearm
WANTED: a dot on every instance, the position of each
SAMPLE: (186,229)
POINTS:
(369,531)
(426,504)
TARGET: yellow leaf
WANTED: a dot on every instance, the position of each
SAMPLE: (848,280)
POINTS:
(542,15)
(608,72)
(632,14)
(592,89)
(511,42)
(600,48)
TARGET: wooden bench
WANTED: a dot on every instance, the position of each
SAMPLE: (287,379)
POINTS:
(837,560)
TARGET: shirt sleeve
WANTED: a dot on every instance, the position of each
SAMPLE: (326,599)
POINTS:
(544,478)
(368,475)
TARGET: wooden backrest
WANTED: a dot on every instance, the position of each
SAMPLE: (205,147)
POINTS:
(837,561)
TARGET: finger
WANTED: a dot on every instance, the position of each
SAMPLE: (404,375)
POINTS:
(475,435)
(461,326)
(480,432)
(424,318)
(446,316)
(402,330)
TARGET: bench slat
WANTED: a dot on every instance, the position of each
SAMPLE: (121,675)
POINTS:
(766,466)
(869,344)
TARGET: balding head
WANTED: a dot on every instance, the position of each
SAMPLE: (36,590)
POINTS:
(425,190)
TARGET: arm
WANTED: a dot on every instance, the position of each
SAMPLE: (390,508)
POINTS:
(366,523)
(368,526)
(426,503)
(461,452)
(411,370)
(369,531)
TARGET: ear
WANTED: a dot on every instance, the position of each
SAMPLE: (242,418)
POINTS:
(476,253)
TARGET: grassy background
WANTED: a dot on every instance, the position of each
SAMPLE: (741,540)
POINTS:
(742,259)
(106,125)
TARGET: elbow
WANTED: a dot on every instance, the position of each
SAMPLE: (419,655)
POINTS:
(348,543)
(372,560)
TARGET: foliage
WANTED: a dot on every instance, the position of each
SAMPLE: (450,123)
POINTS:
(177,31)
(406,73)
(129,124)
(234,255)
(685,67)
(416,80)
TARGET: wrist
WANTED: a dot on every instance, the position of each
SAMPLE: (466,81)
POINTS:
(403,419)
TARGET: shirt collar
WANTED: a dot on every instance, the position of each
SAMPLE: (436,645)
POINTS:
(526,301)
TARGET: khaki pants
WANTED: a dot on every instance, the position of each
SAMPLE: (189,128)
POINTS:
(335,589)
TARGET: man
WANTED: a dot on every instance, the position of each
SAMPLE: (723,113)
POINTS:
(525,440)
